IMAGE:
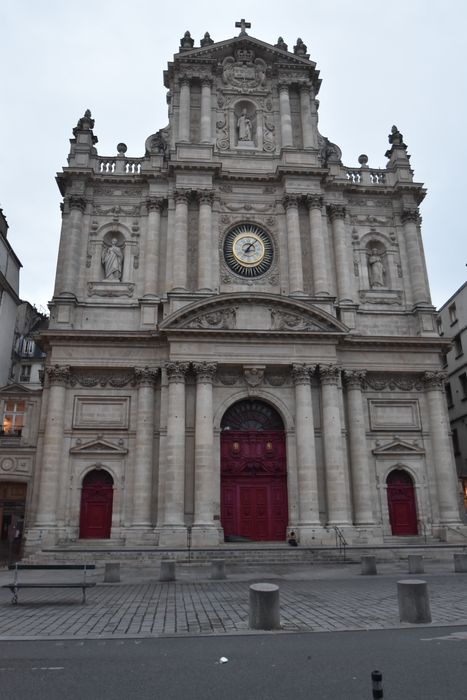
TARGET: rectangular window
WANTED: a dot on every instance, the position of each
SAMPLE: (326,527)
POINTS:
(439,326)
(25,375)
(458,346)
(463,383)
(449,395)
(452,314)
(455,442)
(13,417)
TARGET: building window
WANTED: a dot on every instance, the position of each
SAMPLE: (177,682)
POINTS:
(463,383)
(452,314)
(13,417)
(444,359)
(449,395)
(439,326)
(25,375)
(455,442)
(458,345)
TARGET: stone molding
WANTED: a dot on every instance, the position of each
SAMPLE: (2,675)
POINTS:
(91,380)
(176,371)
(146,376)
(354,378)
(393,383)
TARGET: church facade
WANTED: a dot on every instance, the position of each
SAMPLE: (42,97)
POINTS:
(242,341)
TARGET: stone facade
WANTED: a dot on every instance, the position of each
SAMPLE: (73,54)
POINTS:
(240,269)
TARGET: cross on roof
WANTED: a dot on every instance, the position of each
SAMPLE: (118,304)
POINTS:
(243,25)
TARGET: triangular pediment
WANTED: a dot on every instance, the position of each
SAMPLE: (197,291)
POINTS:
(398,446)
(98,446)
(253,313)
(16,389)
(246,49)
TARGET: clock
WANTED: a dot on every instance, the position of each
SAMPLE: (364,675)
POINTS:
(248,250)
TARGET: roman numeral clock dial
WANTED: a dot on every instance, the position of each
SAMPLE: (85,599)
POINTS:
(248,250)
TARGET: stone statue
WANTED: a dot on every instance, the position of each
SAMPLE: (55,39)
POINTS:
(376,266)
(244,126)
(112,260)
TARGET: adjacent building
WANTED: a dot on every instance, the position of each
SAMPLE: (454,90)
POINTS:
(241,339)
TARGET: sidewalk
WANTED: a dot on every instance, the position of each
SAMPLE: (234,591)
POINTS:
(316,598)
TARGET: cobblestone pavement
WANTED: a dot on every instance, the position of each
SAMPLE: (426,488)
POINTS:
(313,598)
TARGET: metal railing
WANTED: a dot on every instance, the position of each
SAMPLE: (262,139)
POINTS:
(341,542)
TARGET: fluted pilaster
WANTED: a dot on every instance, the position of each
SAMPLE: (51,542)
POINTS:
(204,444)
(206,125)
(71,242)
(174,473)
(319,261)
(184,110)
(205,245)
(180,252)
(151,249)
(144,453)
(294,245)
(305,447)
(410,219)
(342,255)
(305,114)
(286,117)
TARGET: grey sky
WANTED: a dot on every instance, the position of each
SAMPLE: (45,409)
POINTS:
(382,63)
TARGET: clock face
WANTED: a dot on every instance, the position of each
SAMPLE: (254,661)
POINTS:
(248,250)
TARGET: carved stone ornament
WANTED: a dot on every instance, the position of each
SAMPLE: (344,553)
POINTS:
(93,379)
(176,371)
(229,377)
(221,319)
(146,376)
(75,202)
(244,71)
(301,374)
(110,289)
(410,216)
(254,374)
(205,371)
(435,380)
(389,297)
(286,321)
(336,211)
(314,201)
(223,138)
(58,375)
(117,211)
(329,374)
(393,383)
(354,378)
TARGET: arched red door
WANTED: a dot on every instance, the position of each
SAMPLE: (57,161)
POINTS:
(401,503)
(96,505)
(253,473)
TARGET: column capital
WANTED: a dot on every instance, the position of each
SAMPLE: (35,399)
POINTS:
(184,80)
(301,373)
(176,371)
(435,379)
(410,215)
(205,197)
(205,371)
(329,374)
(145,376)
(154,203)
(181,196)
(354,378)
(58,375)
(291,201)
(336,211)
(314,201)
(206,81)
(283,87)
(76,202)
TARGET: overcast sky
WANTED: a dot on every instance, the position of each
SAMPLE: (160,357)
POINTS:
(382,63)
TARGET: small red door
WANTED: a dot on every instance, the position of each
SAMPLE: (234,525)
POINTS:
(401,503)
(96,506)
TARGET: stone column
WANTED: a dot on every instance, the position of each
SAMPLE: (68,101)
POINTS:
(206,128)
(415,257)
(305,445)
(52,456)
(319,261)
(71,243)
(180,243)
(204,448)
(174,472)
(294,245)
(305,114)
(359,467)
(151,249)
(144,453)
(343,260)
(205,246)
(286,117)
(336,481)
(441,449)
(184,110)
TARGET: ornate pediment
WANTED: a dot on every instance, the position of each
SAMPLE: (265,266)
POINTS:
(397,446)
(98,446)
(260,313)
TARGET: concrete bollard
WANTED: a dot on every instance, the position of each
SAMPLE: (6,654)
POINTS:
(218,569)
(369,565)
(264,611)
(414,601)
(112,572)
(167,572)
(416,565)
(460,563)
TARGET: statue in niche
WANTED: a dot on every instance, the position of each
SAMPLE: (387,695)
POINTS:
(376,268)
(112,260)
(244,126)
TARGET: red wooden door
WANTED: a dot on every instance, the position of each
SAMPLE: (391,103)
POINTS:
(96,506)
(401,503)
(254,485)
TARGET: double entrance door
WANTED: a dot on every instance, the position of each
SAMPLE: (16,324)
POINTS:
(254,485)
